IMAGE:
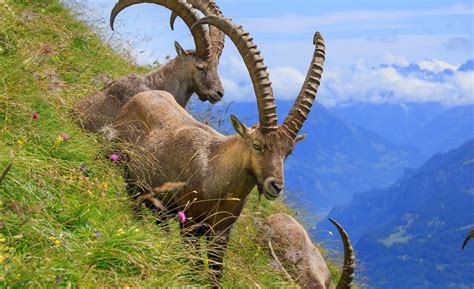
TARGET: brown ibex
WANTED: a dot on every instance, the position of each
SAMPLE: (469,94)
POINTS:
(219,171)
(305,263)
(190,72)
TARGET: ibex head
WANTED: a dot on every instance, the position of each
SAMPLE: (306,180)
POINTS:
(268,144)
(202,63)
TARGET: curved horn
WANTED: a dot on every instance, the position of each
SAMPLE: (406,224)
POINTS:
(183,10)
(208,8)
(257,69)
(347,274)
(469,236)
(303,103)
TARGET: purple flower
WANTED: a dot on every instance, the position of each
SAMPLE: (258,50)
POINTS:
(97,235)
(35,115)
(182,217)
(114,157)
(83,167)
(65,136)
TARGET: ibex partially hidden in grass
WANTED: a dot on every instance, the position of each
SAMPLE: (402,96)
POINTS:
(305,264)
(190,72)
(219,171)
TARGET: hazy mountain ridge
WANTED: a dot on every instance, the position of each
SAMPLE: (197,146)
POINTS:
(409,234)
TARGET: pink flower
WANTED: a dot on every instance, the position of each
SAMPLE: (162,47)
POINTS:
(182,217)
(114,157)
(65,136)
(35,115)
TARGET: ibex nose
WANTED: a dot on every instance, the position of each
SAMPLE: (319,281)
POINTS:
(278,188)
(272,187)
(220,93)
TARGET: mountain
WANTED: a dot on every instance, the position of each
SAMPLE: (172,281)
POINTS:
(409,234)
(334,161)
(395,122)
(448,130)
(430,127)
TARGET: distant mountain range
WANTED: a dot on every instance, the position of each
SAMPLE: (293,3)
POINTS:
(409,235)
(430,127)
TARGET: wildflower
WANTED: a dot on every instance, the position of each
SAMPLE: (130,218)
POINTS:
(59,139)
(35,115)
(64,136)
(120,232)
(105,185)
(114,157)
(2,240)
(55,241)
(59,279)
(97,235)
(182,217)
(1,259)
(83,167)
(21,141)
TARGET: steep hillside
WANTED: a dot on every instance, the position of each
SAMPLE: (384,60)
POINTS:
(409,235)
(65,217)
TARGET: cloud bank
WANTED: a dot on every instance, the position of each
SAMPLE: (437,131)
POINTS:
(395,82)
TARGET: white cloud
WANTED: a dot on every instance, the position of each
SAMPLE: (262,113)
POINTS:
(360,83)
(387,85)
(436,65)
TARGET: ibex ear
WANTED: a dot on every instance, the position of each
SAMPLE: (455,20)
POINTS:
(239,127)
(300,138)
(179,50)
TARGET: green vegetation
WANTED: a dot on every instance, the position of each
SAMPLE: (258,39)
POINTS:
(65,216)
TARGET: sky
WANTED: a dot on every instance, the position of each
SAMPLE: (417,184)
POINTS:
(367,42)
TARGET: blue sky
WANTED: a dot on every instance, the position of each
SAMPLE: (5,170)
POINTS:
(360,35)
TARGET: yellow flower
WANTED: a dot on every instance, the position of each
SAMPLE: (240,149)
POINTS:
(21,141)
(2,240)
(120,232)
(1,259)
(59,139)
(57,242)
(105,185)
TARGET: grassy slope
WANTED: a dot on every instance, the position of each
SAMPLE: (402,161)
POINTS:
(60,225)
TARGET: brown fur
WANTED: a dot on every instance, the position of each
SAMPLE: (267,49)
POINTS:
(182,76)
(219,171)
(303,260)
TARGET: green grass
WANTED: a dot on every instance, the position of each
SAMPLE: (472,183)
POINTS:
(60,225)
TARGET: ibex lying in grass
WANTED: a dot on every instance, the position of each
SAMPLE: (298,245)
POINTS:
(191,72)
(306,264)
(219,171)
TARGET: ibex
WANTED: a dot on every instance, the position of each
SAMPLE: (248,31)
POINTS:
(219,171)
(190,72)
(306,264)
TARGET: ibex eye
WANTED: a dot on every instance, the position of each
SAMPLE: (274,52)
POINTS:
(200,67)
(257,146)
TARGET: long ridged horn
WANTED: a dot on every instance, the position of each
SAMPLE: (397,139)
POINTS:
(257,69)
(303,103)
(208,8)
(347,274)
(183,10)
